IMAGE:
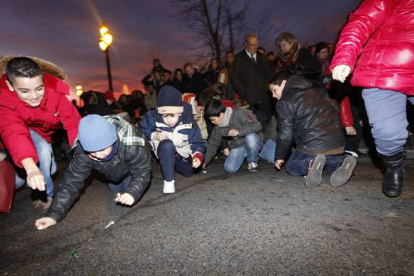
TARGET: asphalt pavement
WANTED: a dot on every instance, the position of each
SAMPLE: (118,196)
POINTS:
(264,223)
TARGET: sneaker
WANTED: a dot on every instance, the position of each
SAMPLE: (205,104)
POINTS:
(314,176)
(344,172)
(252,167)
(355,153)
(169,187)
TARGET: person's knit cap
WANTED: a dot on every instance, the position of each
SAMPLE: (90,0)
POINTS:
(169,101)
(96,133)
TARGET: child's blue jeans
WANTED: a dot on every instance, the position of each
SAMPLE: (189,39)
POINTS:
(268,151)
(250,151)
(47,163)
(298,163)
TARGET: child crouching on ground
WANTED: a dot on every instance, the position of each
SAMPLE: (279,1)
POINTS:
(307,116)
(198,103)
(241,128)
(114,148)
(174,136)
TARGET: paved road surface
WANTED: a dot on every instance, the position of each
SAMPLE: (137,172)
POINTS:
(266,223)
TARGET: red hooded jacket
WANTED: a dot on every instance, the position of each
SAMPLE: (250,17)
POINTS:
(383,30)
(17,117)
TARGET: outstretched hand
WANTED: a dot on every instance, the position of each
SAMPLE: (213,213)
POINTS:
(44,223)
(341,72)
(124,198)
(36,180)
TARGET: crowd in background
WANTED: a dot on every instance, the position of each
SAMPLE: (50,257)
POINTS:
(309,61)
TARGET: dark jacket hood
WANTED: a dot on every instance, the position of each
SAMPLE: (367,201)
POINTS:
(296,83)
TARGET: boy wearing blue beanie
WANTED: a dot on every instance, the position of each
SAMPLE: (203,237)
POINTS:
(113,147)
(174,136)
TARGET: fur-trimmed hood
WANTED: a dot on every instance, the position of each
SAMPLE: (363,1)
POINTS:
(45,66)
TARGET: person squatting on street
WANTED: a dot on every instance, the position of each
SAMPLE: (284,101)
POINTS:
(33,104)
(241,128)
(307,116)
(381,32)
(174,136)
(114,148)
(198,103)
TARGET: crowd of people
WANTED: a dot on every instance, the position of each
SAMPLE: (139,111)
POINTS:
(311,118)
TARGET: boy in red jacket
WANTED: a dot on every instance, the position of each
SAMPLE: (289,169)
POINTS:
(33,104)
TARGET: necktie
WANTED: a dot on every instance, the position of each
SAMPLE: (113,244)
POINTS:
(252,58)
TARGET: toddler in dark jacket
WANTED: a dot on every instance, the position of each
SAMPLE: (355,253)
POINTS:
(174,136)
(114,148)
(309,118)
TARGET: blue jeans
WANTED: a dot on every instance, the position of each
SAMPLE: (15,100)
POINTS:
(121,186)
(387,116)
(47,163)
(250,151)
(298,163)
(170,161)
(268,151)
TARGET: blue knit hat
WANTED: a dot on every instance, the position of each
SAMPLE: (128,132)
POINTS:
(169,101)
(95,133)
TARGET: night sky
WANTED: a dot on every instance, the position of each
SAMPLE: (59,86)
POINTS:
(67,33)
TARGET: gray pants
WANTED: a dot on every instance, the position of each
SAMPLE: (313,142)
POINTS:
(387,115)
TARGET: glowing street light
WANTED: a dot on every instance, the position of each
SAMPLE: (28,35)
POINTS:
(79,90)
(104,43)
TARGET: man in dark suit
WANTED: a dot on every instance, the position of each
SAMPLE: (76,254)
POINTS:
(250,75)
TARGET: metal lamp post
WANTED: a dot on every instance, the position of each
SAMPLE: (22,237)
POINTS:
(104,43)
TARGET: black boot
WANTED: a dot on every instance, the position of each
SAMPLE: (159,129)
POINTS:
(392,184)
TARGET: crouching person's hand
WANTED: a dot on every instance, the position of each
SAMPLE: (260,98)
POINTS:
(44,223)
(197,160)
(279,163)
(125,198)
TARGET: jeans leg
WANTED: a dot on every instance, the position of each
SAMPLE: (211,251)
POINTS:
(253,146)
(183,166)
(333,162)
(235,160)
(19,180)
(120,187)
(298,163)
(268,151)
(47,164)
(166,153)
(386,111)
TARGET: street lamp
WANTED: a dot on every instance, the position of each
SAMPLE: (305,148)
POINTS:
(79,90)
(104,43)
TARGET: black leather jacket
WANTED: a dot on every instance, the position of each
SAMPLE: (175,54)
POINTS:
(129,160)
(307,116)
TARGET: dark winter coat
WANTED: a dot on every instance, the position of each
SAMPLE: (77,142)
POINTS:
(308,117)
(250,79)
(185,135)
(194,84)
(134,160)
